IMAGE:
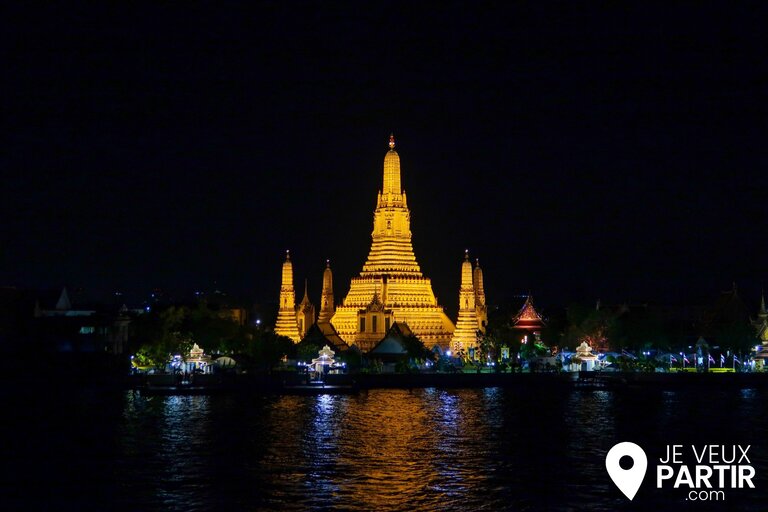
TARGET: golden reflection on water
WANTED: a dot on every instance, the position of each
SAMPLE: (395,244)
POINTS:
(386,449)
(425,449)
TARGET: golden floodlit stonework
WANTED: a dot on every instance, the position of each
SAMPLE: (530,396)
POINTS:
(391,287)
(472,312)
(287,324)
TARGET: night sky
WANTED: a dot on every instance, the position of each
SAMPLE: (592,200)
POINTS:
(580,152)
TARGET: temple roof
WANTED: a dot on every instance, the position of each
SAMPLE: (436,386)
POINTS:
(64,303)
(375,304)
(391,344)
(728,309)
(305,301)
(400,329)
(324,333)
(528,317)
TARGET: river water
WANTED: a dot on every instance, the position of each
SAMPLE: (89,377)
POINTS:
(424,449)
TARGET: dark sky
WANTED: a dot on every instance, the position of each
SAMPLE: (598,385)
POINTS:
(580,151)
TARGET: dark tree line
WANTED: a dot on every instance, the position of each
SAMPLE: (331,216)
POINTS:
(636,328)
(162,333)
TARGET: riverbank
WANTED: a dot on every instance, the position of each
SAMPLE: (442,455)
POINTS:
(280,382)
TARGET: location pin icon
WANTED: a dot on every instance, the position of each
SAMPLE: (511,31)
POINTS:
(627,480)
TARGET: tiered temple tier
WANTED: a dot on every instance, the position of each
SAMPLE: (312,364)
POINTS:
(391,256)
(394,291)
(286,325)
(429,323)
(391,199)
(391,271)
(465,335)
(391,250)
(411,299)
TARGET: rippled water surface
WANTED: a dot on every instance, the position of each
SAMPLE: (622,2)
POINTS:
(427,449)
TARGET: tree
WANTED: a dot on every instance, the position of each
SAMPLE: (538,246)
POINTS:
(532,349)
(496,336)
(489,345)
(737,335)
(159,336)
(213,332)
(592,325)
(306,350)
(640,328)
(268,349)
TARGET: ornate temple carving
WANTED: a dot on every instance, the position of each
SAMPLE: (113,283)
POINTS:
(480,306)
(305,313)
(473,314)
(391,273)
(465,335)
(327,306)
(286,316)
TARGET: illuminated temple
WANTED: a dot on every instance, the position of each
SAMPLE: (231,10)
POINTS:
(473,314)
(287,318)
(390,288)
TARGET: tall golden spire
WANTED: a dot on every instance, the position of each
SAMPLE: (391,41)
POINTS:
(480,306)
(392,273)
(391,191)
(327,306)
(286,315)
(465,335)
(305,313)
(391,249)
(305,300)
(477,281)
